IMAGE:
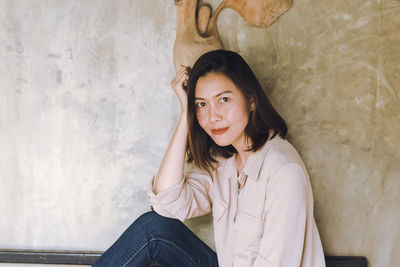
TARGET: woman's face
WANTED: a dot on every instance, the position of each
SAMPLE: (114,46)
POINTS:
(221,110)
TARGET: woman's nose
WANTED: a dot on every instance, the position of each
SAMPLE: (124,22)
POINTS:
(214,115)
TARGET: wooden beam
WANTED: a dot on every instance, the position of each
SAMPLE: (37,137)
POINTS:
(346,261)
(76,257)
(49,256)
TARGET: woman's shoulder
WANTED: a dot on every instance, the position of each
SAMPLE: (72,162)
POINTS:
(281,153)
(281,147)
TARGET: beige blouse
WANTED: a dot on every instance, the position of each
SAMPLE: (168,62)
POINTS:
(263,218)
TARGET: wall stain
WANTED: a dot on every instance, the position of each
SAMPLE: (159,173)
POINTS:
(51,55)
(70,53)
(20,49)
(59,76)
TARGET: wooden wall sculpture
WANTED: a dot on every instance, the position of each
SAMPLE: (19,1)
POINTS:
(197,27)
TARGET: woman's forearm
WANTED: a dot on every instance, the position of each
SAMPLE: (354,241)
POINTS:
(171,169)
(172,165)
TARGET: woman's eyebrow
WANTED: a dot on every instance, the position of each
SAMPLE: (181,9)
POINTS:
(222,93)
(217,95)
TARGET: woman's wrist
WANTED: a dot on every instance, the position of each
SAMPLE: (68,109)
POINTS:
(183,116)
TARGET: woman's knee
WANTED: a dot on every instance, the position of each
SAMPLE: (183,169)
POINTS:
(154,217)
(153,222)
(147,216)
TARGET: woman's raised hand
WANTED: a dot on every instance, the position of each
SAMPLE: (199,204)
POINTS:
(179,85)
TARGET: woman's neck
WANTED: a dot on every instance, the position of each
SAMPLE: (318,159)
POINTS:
(241,159)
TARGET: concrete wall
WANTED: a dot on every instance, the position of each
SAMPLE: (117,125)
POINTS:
(86,113)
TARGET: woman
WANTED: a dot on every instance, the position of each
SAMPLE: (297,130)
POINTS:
(250,178)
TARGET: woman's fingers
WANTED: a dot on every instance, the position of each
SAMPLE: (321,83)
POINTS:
(180,80)
(179,85)
(178,74)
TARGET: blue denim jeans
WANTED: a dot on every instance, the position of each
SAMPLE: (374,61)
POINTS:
(166,241)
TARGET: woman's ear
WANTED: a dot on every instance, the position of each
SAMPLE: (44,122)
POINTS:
(252,106)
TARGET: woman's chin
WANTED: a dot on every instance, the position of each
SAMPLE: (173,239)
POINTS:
(222,143)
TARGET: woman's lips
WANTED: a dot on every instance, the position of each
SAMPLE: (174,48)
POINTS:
(219,130)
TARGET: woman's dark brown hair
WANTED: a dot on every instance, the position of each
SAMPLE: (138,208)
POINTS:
(201,149)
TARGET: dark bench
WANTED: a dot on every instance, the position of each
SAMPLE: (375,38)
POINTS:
(89,257)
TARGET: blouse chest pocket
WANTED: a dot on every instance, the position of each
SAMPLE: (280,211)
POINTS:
(252,200)
(249,225)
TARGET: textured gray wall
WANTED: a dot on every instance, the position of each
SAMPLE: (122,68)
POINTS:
(86,113)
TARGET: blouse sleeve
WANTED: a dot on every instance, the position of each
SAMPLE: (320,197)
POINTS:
(189,198)
(285,225)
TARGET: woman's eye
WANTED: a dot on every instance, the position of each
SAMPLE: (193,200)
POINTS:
(224,99)
(200,104)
